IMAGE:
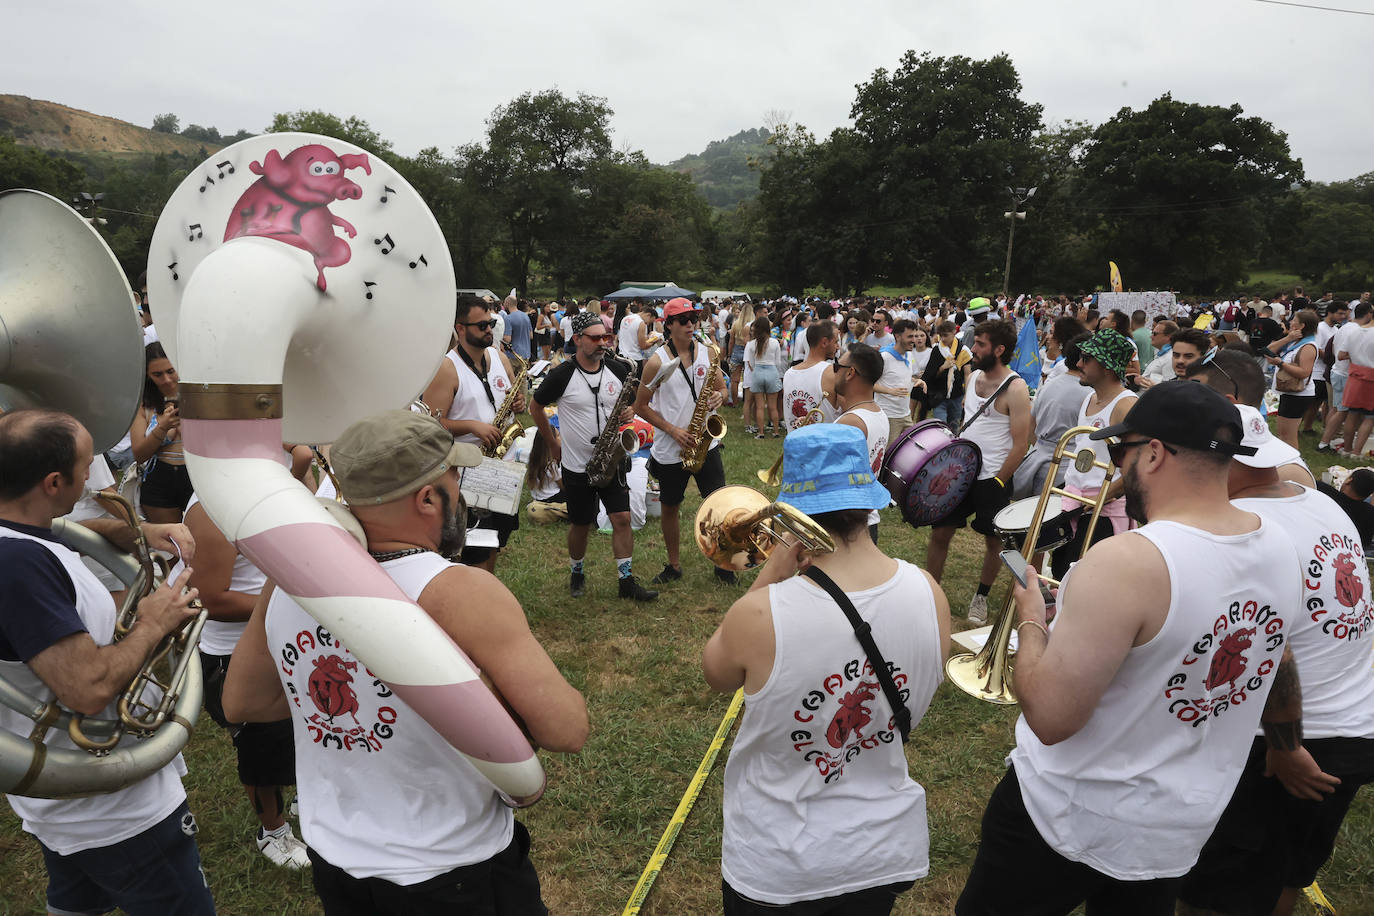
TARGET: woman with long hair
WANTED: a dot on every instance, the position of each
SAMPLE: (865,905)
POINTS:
(918,358)
(739,336)
(761,355)
(156,438)
(1293,374)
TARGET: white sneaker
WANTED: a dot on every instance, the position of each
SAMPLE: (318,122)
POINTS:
(282,848)
(978,610)
(294,809)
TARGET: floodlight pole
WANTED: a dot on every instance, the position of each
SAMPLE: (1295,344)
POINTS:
(1019,196)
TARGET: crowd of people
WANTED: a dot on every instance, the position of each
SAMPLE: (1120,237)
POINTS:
(1224,594)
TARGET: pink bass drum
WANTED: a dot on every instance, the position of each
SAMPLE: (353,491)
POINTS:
(929,470)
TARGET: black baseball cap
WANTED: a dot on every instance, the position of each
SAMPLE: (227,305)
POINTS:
(1183,413)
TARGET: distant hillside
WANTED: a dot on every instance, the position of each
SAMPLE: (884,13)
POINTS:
(722,173)
(50,126)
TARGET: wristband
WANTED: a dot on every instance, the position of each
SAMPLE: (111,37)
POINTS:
(999,482)
(1034,623)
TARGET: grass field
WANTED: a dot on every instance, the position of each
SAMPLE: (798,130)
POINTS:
(652,718)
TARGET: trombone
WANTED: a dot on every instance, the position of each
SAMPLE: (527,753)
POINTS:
(986,675)
(772,477)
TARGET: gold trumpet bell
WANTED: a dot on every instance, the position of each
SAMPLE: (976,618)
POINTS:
(738,527)
(771,477)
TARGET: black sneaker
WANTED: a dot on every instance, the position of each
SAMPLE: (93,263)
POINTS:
(669,574)
(577,584)
(630,588)
(726,576)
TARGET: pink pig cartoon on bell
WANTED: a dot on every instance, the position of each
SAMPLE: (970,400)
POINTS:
(290,202)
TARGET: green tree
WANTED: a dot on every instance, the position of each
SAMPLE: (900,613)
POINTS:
(28,167)
(945,138)
(1182,191)
(1332,234)
(538,147)
(352,129)
(167,123)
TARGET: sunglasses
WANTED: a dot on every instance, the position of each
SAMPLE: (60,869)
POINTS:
(1117,450)
(682,319)
(601,336)
(484,325)
(1209,360)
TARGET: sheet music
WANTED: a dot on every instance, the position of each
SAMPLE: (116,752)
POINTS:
(494,485)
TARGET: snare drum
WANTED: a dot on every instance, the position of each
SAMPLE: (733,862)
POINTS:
(929,470)
(1014,521)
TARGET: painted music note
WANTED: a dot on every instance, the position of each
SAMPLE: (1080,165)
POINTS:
(225,166)
(173,268)
(387,244)
(386,191)
(418,261)
(208,181)
(367,285)
(194,232)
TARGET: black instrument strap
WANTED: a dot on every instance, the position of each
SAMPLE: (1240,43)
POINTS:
(864,632)
(682,367)
(1006,382)
(481,375)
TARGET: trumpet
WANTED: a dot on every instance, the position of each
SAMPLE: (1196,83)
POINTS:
(772,477)
(986,675)
(738,527)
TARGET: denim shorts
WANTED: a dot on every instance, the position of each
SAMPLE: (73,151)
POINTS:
(167,881)
(766,379)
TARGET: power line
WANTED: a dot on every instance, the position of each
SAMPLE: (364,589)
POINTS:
(1311,6)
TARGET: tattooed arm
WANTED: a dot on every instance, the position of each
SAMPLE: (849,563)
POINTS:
(1282,720)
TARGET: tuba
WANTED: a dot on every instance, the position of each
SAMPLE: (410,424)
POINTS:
(286,329)
(986,675)
(738,527)
(74,344)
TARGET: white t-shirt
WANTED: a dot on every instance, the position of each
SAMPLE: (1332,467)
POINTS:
(1324,333)
(629,336)
(771,354)
(1341,343)
(897,373)
(585,400)
(1361,348)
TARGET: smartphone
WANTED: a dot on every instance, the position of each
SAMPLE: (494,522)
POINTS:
(1016,564)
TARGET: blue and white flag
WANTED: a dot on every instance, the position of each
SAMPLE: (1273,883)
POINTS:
(1025,359)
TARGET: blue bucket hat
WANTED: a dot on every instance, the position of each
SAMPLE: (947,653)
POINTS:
(825,468)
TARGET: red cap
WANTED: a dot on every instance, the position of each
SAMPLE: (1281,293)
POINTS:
(679,306)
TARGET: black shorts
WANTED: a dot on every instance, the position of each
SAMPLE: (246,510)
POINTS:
(504,885)
(1016,871)
(166,486)
(266,751)
(672,478)
(503,525)
(1323,390)
(1267,840)
(983,502)
(582,497)
(1293,406)
(871,901)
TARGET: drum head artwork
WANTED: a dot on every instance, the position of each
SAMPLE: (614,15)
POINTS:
(929,471)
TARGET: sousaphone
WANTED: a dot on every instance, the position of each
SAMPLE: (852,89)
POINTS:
(70,340)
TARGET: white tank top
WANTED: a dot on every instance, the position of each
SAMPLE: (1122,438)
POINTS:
(71,825)
(470,402)
(218,637)
(676,401)
(1137,790)
(1332,647)
(801,393)
(991,432)
(1091,481)
(381,794)
(818,800)
(629,336)
(875,422)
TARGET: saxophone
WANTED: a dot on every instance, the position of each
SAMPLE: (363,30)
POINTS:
(705,426)
(614,443)
(510,428)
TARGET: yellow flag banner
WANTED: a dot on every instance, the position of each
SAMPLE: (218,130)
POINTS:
(1115,275)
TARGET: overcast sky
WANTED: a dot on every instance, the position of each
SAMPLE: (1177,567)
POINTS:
(429,74)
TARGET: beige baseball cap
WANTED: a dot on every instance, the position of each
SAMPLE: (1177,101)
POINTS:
(394,453)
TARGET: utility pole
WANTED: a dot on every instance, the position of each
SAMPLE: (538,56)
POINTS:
(1019,196)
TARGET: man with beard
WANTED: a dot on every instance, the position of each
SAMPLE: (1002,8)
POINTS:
(997,405)
(1277,833)
(586,388)
(1138,710)
(1102,363)
(470,386)
(377,844)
